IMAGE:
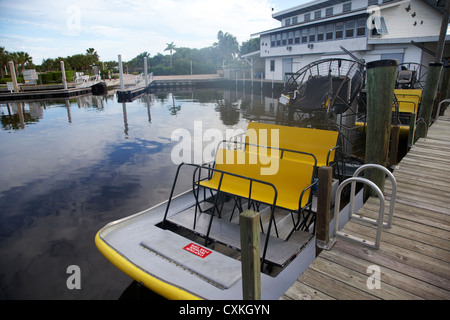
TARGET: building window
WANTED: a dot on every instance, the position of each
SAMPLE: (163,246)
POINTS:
(318,14)
(272,65)
(361,27)
(287,22)
(297,37)
(291,37)
(373,2)
(272,40)
(307,16)
(312,34)
(284,39)
(329,12)
(294,20)
(304,35)
(320,33)
(278,39)
(347,7)
(349,28)
(339,30)
(329,31)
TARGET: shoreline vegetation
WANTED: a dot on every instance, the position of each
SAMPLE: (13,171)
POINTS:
(176,61)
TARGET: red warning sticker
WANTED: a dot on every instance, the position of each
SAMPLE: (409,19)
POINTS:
(197,250)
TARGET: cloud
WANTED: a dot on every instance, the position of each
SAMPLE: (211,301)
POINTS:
(128,27)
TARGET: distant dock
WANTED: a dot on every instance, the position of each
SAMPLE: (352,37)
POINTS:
(164,83)
(183,81)
(413,261)
(40,93)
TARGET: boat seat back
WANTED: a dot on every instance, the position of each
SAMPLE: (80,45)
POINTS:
(240,173)
(316,141)
(408,99)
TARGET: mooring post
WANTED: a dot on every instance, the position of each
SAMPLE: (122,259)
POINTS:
(145,72)
(445,86)
(250,255)
(63,74)
(325,175)
(13,76)
(428,96)
(381,76)
(393,152)
(122,87)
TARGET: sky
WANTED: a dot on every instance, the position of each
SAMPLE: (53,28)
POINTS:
(50,29)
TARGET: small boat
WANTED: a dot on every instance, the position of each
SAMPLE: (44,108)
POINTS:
(407,98)
(188,247)
(329,85)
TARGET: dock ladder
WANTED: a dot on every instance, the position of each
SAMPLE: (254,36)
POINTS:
(351,215)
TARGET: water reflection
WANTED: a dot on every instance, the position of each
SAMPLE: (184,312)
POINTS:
(70,166)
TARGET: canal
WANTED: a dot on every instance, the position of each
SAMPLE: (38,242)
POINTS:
(69,167)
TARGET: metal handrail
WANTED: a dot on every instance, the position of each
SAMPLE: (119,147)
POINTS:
(439,107)
(393,193)
(376,244)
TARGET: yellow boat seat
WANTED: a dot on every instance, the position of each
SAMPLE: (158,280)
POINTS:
(239,173)
(408,99)
(320,143)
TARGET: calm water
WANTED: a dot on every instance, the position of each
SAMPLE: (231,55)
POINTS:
(67,168)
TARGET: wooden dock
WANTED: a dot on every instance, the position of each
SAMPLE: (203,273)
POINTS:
(413,261)
(44,94)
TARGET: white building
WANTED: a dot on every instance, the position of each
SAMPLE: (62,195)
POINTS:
(370,29)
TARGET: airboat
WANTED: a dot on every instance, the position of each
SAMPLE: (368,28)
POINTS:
(188,247)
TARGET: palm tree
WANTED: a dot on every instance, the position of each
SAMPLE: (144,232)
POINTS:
(22,59)
(4,58)
(92,56)
(170,47)
(227,46)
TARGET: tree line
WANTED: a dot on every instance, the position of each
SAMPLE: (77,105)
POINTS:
(182,60)
(226,51)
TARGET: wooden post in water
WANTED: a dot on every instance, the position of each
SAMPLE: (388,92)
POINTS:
(145,72)
(393,152)
(122,87)
(428,96)
(445,86)
(381,76)
(63,74)
(13,76)
(250,262)
(325,175)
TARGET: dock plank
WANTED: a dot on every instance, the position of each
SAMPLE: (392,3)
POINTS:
(414,255)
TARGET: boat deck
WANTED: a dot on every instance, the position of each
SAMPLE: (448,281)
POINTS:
(227,232)
(413,261)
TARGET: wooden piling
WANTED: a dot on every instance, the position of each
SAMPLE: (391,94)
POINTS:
(13,76)
(445,86)
(393,151)
(250,251)
(381,76)
(63,75)
(428,96)
(325,175)
(122,86)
